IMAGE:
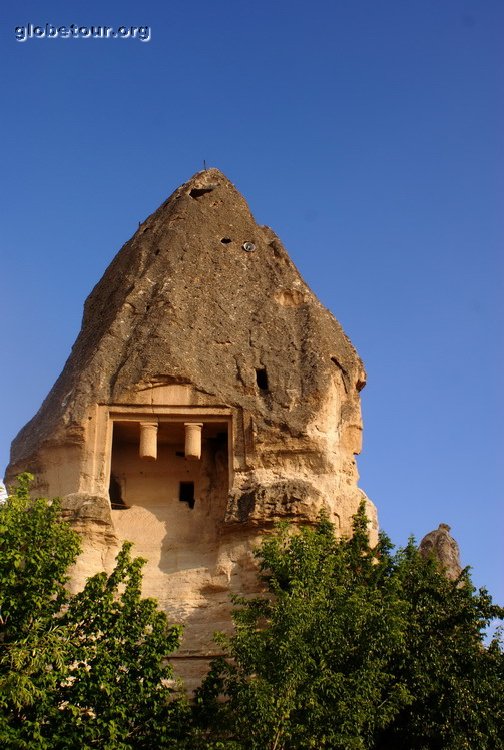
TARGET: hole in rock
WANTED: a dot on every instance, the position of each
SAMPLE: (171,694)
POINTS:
(186,493)
(198,192)
(226,240)
(115,494)
(262,378)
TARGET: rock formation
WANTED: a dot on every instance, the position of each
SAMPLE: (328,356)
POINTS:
(208,395)
(444,548)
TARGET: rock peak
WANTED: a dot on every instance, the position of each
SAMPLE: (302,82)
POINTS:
(208,179)
(201,294)
(208,395)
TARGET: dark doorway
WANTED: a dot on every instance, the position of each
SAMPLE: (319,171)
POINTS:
(186,493)
(262,378)
(115,494)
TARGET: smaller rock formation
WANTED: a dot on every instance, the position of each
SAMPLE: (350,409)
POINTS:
(445,549)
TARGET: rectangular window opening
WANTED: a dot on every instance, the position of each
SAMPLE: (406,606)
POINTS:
(186,493)
(262,378)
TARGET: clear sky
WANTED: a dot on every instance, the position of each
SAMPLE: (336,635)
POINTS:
(368,134)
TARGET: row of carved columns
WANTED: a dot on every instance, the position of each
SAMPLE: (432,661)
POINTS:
(192,440)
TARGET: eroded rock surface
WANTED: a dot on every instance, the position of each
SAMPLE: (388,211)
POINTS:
(201,323)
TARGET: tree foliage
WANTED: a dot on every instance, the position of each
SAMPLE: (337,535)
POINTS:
(455,681)
(87,670)
(349,647)
(355,648)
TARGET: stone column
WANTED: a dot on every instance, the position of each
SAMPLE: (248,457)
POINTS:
(193,439)
(148,440)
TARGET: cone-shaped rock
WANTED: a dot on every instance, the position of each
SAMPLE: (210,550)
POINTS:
(208,394)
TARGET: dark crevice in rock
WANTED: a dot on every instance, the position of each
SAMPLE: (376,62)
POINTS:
(199,192)
(262,379)
(344,374)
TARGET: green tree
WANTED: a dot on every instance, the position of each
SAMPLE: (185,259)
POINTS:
(456,683)
(355,648)
(87,670)
(36,551)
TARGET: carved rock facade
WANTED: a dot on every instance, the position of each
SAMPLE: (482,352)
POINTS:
(208,395)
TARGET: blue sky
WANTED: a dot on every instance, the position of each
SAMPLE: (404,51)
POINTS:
(367,134)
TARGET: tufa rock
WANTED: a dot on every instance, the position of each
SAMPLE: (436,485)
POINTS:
(208,395)
(444,548)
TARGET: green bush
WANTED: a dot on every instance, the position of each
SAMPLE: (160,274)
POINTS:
(82,671)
